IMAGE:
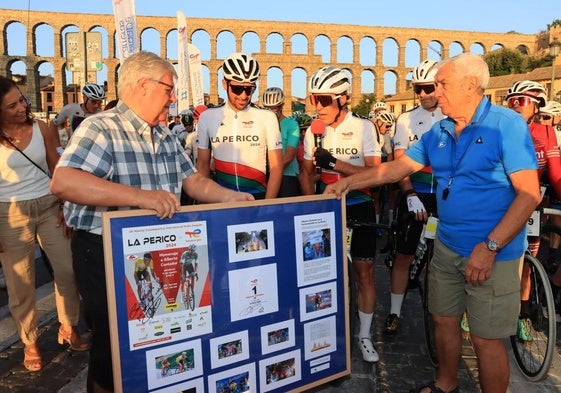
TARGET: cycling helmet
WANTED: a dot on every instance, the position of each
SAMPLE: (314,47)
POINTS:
(241,68)
(372,115)
(529,89)
(198,110)
(424,72)
(192,248)
(186,117)
(386,117)
(272,96)
(93,91)
(329,80)
(552,108)
(379,105)
(148,255)
(304,120)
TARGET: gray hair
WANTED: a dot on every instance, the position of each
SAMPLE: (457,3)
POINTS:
(470,65)
(142,65)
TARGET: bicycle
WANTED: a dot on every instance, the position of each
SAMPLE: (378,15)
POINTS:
(189,293)
(146,298)
(534,357)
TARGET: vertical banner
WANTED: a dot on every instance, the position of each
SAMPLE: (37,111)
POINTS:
(182,84)
(125,26)
(196,75)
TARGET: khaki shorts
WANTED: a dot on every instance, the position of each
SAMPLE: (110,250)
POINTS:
(492,308)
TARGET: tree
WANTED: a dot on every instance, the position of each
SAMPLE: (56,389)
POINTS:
(363,107)
(510,61)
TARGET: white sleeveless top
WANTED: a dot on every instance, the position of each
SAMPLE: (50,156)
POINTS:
(20,180)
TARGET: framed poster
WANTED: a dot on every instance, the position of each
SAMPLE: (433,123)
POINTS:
(243,296)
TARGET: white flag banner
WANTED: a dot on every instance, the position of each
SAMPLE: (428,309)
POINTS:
(196,75)
(125,25)
(182,84)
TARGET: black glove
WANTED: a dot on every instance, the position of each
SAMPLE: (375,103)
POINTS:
(324,158)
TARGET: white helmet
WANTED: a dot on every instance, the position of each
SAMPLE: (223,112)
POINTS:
(529,89)
(329,80)
(379,105)
(424,72)
(386,117)
(241,68)
(272,96)
(93,91)
(552,108)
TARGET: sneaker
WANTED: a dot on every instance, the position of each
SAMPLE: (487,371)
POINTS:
(369,354)
(464,323)
(524,330)
(393,323)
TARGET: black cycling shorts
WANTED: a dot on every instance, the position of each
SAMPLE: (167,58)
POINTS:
(408,229)
(363,243)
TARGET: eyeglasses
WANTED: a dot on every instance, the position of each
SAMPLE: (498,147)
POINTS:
(171,87)
(519,101)
(544,116)
(239,89)
(428,89)
(324,100)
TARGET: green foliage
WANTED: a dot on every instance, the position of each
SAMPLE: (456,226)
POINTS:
(556,22)
(363,107)
(510,61)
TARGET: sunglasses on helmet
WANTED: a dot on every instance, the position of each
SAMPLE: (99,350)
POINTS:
(428,89)
(324,100)
(519,101)
(238,89)
(544,116)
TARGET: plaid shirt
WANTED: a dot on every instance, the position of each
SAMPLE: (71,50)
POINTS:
(116,145)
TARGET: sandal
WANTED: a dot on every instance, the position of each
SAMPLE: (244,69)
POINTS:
(32,358)
(72,338)
(433,389)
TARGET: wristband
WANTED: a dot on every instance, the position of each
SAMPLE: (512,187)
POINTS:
(409,192)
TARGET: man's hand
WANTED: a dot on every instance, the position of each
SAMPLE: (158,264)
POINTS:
(480,264)
(338,188)
(324,158)
(416,207)
(164,203)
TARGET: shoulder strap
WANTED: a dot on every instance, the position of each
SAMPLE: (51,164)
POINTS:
(26,156)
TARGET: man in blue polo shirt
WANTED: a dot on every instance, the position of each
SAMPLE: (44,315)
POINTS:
(487,186)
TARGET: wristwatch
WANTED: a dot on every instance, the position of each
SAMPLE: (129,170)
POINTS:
(492,245)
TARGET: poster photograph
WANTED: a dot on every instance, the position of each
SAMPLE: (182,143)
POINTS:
(174,363)
(278,336)
(318,301)
(192,386)
(320,337)
(316,248)
(251,241)
(253,291)
(278,371)
(237,379)
(229,349)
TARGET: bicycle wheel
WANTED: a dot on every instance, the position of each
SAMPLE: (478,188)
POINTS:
(191,297)
(534,357)
(428,323)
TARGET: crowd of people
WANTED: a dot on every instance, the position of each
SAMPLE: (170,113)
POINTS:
(447,157)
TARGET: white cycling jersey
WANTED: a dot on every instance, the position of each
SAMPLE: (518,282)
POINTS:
(74,113)
(352,141)
(240,142)
(409,128)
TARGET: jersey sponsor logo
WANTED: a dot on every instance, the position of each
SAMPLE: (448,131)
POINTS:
(347,151)
(193,234)
(248,124)
(413,138)
(234,138)
(347,135)
(152,240)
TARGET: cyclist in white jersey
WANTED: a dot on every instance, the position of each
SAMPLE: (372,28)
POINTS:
(417,191)
(348,146)
(244,140)
(92,97)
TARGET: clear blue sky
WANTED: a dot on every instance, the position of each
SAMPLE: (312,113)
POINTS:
(522,16)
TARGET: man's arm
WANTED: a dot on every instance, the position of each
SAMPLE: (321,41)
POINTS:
(206,190)
(308,176)
(387,172)
(527,188)
(275,173)
(83,188)
(288,156)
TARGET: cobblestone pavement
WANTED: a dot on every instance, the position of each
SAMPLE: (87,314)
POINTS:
(403,362)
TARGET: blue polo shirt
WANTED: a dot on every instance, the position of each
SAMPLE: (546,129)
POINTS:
(475,168)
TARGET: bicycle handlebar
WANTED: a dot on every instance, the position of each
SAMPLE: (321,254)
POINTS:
(353,223)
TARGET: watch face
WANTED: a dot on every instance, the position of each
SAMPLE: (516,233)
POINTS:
(492,245)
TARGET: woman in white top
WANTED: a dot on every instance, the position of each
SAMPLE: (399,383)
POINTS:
(30,213)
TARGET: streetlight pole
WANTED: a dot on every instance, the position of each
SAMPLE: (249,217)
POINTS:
(554,48)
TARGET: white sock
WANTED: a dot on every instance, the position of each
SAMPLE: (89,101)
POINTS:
(377,218)
(365,322)
(396,302)
(390,213)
